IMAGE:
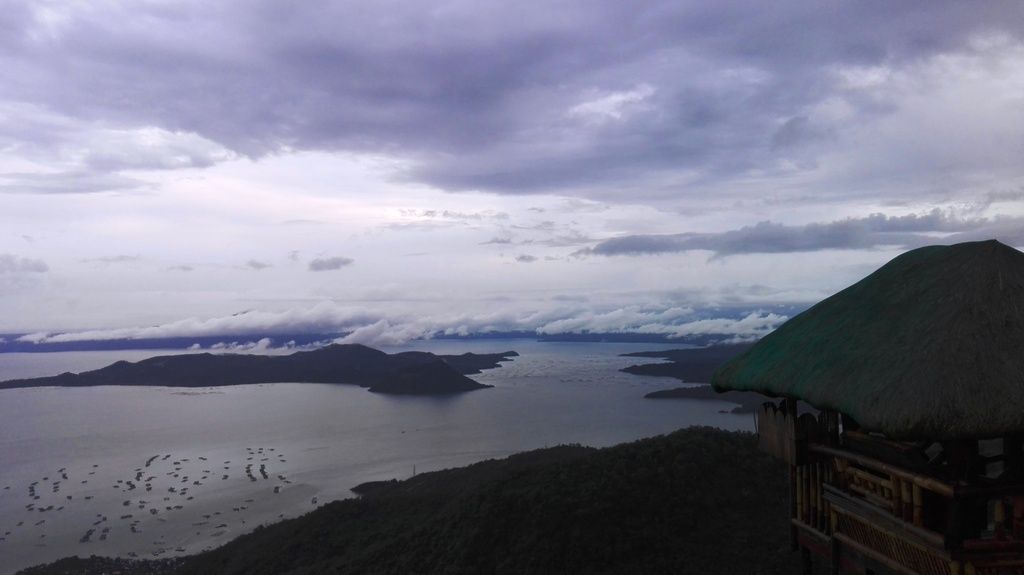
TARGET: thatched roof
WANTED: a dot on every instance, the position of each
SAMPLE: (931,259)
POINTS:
(929,346)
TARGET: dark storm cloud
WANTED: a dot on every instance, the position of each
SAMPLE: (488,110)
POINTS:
(854,233)
(526,258)
(508,97)
(329,264)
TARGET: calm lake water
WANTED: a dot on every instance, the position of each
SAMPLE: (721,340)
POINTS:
(73,462)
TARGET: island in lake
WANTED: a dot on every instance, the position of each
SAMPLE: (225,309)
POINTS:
(695,366)
(407,373)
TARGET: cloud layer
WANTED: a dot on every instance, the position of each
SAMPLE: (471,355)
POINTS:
(652,98)
(467,150)
(869,232)
(385,326)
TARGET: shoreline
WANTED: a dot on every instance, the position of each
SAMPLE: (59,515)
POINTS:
(537,504)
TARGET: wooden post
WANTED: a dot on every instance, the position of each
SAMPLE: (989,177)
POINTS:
(833,427)
(999,518)
(822,504)
(801,502)
(962,456)
(1017,522)
(841,465)
(918,503)
(836,554)
(1014,459)
(806,567)
(849,423)
(794,507)
(808,502)
(908,501)
(897,496)
(812,489)
(954,524)
(820,519)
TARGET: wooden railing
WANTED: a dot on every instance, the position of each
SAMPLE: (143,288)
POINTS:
(845,498)
(894,489)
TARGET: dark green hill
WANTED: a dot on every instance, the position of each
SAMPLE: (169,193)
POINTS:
(698,501)
(400,373)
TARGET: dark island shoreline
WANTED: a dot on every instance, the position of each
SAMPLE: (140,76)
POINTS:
(695,366)
(406,373)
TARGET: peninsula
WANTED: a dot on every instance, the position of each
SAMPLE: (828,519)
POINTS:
(407,373)
(695,366)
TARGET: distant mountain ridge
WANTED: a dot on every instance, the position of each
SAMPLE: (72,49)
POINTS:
(407,373)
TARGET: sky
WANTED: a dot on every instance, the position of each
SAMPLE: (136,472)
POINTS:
(398,169)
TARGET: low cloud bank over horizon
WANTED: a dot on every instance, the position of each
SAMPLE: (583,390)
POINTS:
(383,327)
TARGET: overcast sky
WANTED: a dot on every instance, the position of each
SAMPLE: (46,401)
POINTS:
(402,167)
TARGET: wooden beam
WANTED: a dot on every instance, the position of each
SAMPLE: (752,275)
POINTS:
(844,504)
(929,483)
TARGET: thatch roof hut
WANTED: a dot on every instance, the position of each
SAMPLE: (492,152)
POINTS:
(929,346)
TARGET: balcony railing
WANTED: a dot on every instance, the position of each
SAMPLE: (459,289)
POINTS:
(848,499)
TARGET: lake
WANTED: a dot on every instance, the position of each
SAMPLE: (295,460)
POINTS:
(158,471)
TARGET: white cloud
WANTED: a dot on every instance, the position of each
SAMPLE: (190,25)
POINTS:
(601,107)
(389,327)
(384,332)
(261,345)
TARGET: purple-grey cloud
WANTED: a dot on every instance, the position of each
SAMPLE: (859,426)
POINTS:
(118,259)
(12,264)
(505,97)
(876,230)
(67,182)
(329,264)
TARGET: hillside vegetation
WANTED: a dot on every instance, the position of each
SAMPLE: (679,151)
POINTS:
(695,501)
